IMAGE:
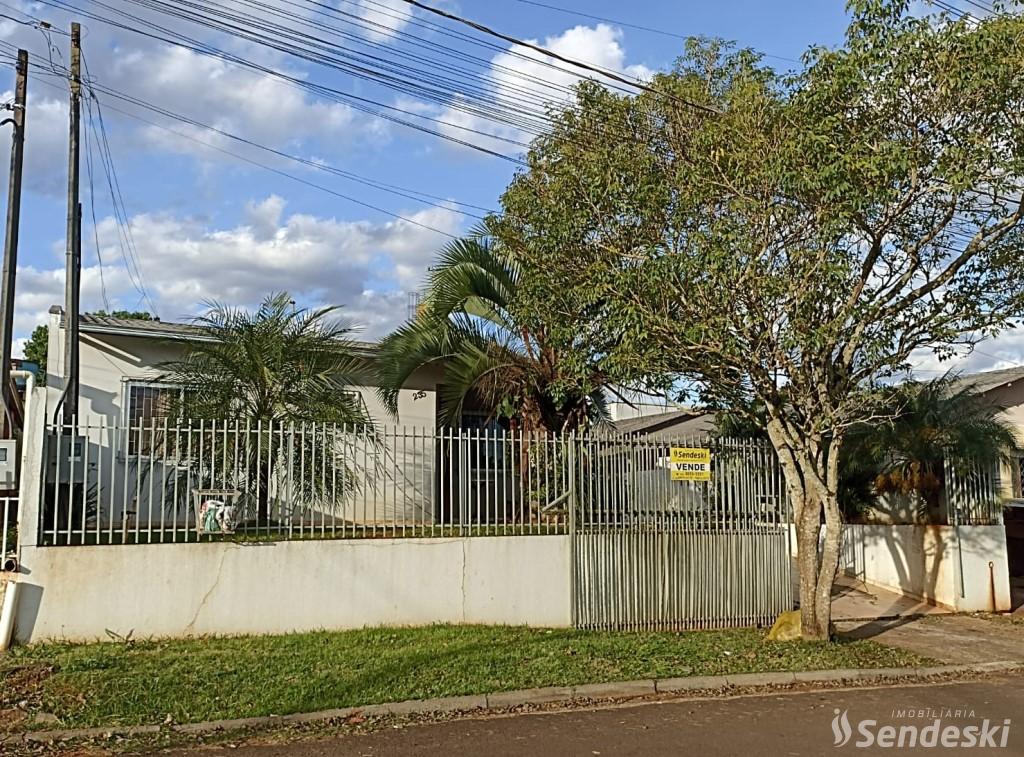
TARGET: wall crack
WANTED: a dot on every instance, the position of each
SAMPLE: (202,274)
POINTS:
(202,603)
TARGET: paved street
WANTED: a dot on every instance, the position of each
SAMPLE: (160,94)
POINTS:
(794,724)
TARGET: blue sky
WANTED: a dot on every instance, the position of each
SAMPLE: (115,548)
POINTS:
(210,226)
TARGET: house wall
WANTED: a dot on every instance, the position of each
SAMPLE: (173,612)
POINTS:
(174,590)
(109,362)
(926,563)
(1012,398)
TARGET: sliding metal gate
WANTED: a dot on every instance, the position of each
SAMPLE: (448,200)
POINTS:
(650,552)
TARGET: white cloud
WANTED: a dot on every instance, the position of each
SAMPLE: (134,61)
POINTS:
(522,74)
(383,18)
(255,105)
(1004,351)
(365,266)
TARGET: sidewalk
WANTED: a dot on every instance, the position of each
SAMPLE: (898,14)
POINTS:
(953,639)
(855,600)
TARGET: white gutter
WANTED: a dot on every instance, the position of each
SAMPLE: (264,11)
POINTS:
(13,585)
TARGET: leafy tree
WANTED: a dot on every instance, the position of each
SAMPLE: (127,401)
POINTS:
(492,355)
(791,239)
(279,366)
(36,349)
(130,315)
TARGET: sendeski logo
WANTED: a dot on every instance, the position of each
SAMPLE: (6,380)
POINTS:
(935,733)
(841,728)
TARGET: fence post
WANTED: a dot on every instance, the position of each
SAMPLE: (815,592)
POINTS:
(33,469)
(573,505)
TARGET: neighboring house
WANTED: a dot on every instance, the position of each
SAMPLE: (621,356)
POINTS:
(682,424)
(1005,388)
(120,364)
(121,399)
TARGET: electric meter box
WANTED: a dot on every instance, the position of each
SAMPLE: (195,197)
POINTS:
(8,464)
(67,461)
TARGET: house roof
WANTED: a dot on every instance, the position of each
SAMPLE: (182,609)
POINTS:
(986,381)
(675,424)
(95,324)
(134,327)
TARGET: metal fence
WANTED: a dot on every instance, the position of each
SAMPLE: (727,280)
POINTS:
(973,493)
(650,552)
(107,483)
(647,551)
(8,526)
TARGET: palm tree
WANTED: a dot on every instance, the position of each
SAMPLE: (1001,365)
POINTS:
(491,356)
(929,423)
(273,368)
(918,427)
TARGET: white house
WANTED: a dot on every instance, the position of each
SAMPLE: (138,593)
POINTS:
(120,363)
(133,454)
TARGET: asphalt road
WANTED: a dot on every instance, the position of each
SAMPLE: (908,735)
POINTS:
(782,724)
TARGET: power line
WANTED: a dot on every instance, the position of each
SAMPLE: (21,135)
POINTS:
(444,203)
(277,171)
(357,102)
(630,25)
(92,203)
(550,53)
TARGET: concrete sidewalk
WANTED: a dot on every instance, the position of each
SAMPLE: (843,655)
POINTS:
(952,639)
(855,600)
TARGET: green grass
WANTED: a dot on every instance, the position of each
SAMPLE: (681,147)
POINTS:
(209,678)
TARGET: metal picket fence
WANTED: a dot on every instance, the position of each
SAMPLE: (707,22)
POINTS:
(114,484)
(646,551)
(651,552)
(972,490)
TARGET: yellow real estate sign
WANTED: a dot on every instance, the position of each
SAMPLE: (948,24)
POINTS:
(690,464)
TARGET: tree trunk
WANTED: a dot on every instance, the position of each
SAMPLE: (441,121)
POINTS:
(813,491)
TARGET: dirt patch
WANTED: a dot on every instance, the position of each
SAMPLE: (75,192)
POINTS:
(21,688)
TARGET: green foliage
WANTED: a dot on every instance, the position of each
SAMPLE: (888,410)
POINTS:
(811,233)
(789,239)
(36,350)
(494,356)
(923,424)
(287,371)
(281,364)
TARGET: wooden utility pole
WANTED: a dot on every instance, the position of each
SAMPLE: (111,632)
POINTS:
(10,268)
(73,259)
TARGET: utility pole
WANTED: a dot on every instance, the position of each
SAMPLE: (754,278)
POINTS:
(10,268)
(72,267)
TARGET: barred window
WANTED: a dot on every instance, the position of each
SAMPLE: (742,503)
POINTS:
(148,406)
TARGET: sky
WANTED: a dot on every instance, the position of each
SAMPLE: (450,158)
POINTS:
(205,225)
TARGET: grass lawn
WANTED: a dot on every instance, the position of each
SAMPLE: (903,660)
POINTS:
(202,679)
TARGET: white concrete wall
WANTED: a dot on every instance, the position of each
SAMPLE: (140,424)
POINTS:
(173,590)
(924,562)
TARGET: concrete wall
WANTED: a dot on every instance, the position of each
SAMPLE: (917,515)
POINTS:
(79,593)
(924,562)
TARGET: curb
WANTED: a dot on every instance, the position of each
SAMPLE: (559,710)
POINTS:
(548,695)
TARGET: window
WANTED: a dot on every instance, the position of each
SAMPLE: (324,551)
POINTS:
(147,406)
(1016,474)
